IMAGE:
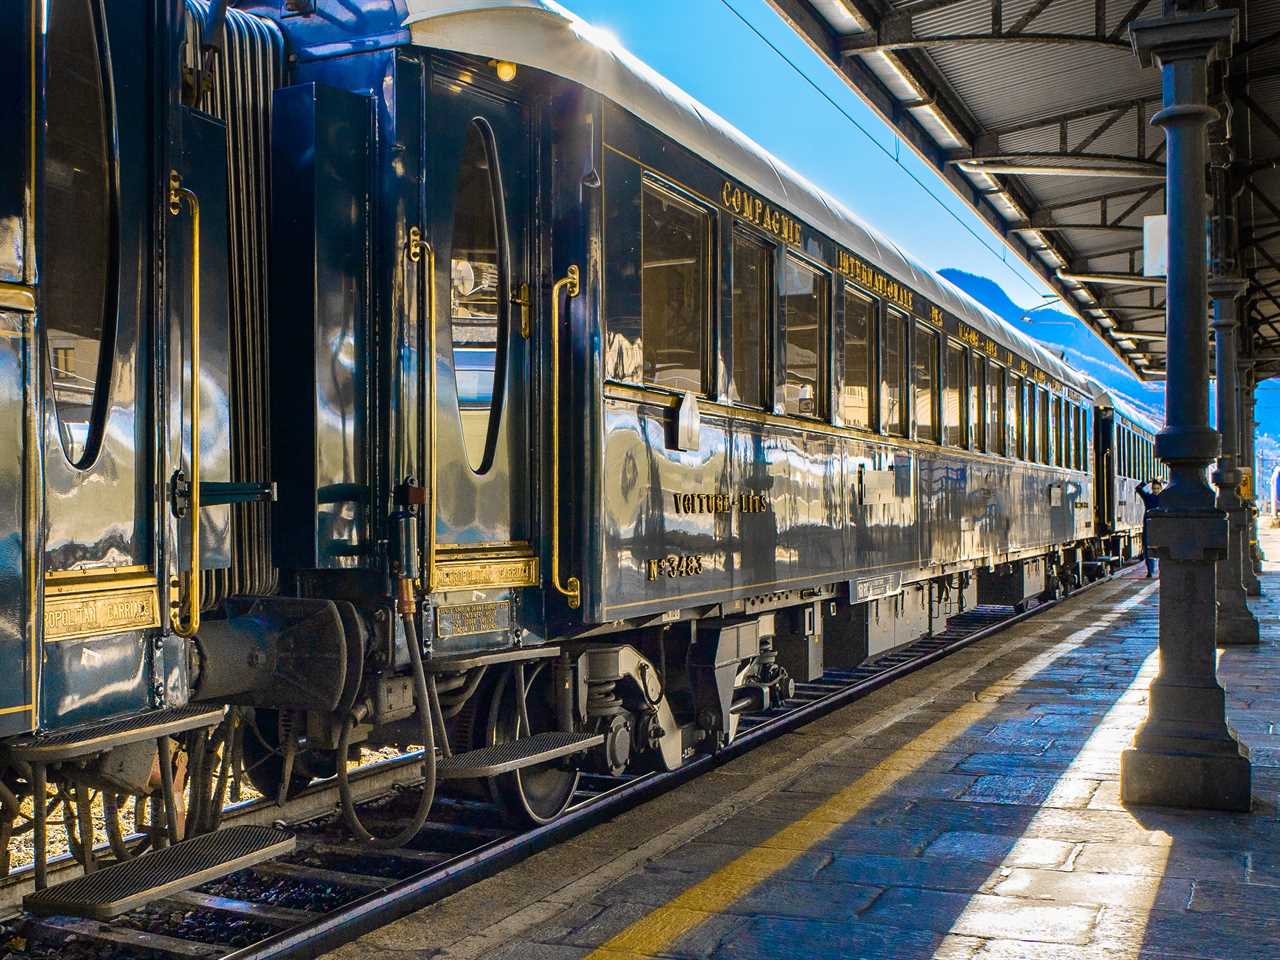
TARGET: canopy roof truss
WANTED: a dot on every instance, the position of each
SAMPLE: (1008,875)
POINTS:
(1037,114)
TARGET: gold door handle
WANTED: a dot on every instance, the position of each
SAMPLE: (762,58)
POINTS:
(571,588)
(188,627)
(421,246)
(521,300)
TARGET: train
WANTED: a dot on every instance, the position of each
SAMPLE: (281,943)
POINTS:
(434,375)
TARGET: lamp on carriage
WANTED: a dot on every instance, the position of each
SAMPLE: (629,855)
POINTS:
(505,69)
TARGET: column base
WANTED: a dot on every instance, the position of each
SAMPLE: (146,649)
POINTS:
(1186,780)
(1237,629)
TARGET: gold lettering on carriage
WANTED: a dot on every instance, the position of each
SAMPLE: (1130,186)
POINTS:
(113,611)
(755,210)
(691,503)
(865,275)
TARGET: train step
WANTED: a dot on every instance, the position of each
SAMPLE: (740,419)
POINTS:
(118,889)
(515,754)
(105,734)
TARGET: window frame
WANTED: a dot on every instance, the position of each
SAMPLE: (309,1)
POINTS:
(996,432)
(95,423)
(741,229)
(710,216)
(903,322)
(823,406)
(949,345)
(919,327)
(977,363)
(850,289)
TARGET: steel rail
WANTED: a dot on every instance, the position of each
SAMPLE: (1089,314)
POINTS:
(403,897)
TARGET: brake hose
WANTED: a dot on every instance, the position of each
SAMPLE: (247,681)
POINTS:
(427,727)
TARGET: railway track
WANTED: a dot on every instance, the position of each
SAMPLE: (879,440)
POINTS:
(331,890)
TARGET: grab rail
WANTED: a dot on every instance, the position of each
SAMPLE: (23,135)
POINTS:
(189,628)
(571,588)
(417,247)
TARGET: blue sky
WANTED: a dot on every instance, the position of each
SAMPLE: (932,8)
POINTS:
(719,51)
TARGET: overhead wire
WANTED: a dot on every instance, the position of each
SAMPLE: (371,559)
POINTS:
(892,155)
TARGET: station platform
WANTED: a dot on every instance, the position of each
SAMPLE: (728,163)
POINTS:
(969,810)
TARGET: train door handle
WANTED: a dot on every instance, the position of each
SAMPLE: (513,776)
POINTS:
(521,299)
(571,588)
(190,625)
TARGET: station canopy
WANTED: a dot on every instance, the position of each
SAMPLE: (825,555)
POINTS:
(1037,114)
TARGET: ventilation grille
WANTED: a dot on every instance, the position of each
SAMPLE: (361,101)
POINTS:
(245,73)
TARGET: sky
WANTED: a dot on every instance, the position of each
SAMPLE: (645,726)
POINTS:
(741,60)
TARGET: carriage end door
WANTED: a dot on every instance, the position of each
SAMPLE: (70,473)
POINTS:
(479,195)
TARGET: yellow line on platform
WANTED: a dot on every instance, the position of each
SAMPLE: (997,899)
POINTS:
(664,926)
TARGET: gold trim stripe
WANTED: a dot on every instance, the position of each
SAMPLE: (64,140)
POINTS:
(87,574)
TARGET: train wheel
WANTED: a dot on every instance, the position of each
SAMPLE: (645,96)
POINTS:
(535,794)
(264,758)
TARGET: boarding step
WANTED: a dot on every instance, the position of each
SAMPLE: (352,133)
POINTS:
(105,734)
(515,754)
(118,889)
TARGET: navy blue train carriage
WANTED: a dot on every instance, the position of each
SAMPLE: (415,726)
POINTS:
(439,375)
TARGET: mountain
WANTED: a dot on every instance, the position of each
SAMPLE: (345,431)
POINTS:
(1067,337)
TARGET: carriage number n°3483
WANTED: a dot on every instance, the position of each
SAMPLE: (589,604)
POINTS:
(676,565)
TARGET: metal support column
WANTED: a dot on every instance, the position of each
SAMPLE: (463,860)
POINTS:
(1251,565)
(1237,625)
(1184,755)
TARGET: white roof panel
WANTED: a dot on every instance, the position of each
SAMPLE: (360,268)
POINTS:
(544,35)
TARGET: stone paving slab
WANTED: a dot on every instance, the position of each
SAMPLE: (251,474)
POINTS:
(970,811)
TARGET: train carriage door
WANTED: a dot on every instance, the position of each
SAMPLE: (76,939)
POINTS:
(479,156)
(97,196)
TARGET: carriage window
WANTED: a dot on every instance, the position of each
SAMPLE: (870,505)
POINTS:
(1010,414)
(476,305)
(859,322)
(1042,402)
(954,422)
(1081,449)
(674,290)
(995,409)
(1033,434)
(752,296)
(805,307)
(1057,431)
(1017,418)
(978,400)
(892,374)
(78,219)
(925,382)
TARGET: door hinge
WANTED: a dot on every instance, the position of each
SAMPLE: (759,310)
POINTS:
(415,244)
(521,299)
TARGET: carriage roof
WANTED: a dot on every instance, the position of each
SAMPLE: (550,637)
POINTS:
(544,35)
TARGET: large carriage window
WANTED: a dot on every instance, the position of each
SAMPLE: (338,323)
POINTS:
(1046,451)
(76,295)
(892,374)
(752,295)
(1010,414)
(804,310)
(859,323)
(1058,431)
(953,398)
(1033,434)
(475,301)
(995,409)
(674,290)
(925,381)
(1017,418)
(978,400)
